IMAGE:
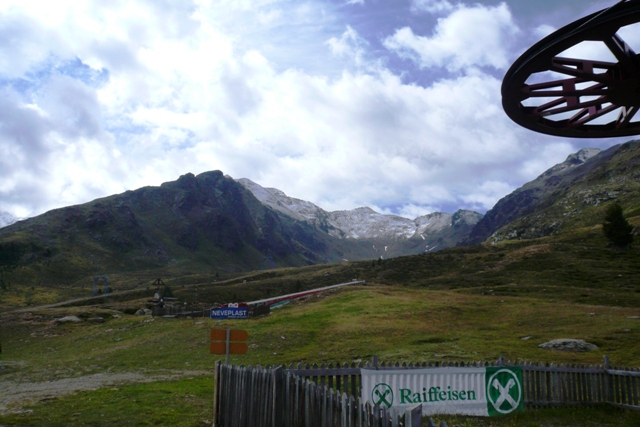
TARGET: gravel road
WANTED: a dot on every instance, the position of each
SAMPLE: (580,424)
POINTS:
(15,394)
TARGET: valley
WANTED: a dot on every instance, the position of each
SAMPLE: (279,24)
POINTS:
(502,297)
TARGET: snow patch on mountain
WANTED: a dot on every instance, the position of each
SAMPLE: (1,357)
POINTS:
(359,223)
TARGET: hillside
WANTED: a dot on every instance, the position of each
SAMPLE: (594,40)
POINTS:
(208,228)
(207,223)
(570,195)
(204,223)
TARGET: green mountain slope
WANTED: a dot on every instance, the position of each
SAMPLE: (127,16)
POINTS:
(571,195)
(204,223)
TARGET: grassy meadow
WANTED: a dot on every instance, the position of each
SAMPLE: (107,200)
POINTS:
(460,304)
(393,322)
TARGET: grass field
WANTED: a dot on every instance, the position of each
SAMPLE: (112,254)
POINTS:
(396,323)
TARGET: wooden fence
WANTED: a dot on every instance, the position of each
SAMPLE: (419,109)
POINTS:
(257,397)
(180,310)
(328,395)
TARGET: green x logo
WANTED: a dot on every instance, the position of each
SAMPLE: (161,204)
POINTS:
(504,392)
(382,395)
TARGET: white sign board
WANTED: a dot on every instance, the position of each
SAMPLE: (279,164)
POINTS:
(464,391)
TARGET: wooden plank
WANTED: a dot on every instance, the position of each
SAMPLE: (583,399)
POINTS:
(628,394)
(308,372)
(630,407)
(355,391)
(528,385)
(216,394)
(624,373)
(334,406)
(314,378)
(345,381)
(587,387)
(253,390)
(555,368)
(635,380)
(295,401)
(277,391)
(551,386)
(326,410)
(616,388)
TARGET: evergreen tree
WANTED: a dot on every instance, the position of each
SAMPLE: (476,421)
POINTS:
(616,228)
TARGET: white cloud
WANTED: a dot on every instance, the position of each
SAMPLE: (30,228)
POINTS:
(360,2)
(548,155)
(350,44)
(410,211)
(487,194)
(132,95)
(468,37)
(543,30)
(432,6)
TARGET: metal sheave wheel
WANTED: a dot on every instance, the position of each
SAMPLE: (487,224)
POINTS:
(590,97)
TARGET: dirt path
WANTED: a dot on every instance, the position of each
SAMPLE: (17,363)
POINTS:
(94,299)
(15,394)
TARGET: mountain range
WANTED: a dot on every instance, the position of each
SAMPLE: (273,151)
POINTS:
(211,222)
(399,235)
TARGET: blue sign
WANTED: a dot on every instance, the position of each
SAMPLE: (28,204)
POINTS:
(230,313)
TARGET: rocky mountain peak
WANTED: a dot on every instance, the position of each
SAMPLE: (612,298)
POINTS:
(364,223)
(576,159)
(466,217)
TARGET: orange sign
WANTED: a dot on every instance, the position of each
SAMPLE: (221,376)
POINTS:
(234,348)
(234,335)
(236,344)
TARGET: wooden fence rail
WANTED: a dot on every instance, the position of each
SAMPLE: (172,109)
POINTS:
(329,396)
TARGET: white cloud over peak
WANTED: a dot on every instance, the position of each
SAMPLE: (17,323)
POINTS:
(488,194)
(98,99)
(476,36)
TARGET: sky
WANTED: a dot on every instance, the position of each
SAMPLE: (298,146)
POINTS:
(391,104)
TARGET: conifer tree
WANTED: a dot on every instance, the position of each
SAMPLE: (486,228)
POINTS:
(616,228)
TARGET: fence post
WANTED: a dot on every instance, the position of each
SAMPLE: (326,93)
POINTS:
(413,416)
(278,396)
(374,362)
(216,394)
(608,379)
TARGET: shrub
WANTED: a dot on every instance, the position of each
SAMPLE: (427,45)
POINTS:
(616,228)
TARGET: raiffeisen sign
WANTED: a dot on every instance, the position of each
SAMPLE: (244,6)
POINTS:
(485,391)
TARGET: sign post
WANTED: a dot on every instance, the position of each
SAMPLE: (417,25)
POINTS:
(228,341)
